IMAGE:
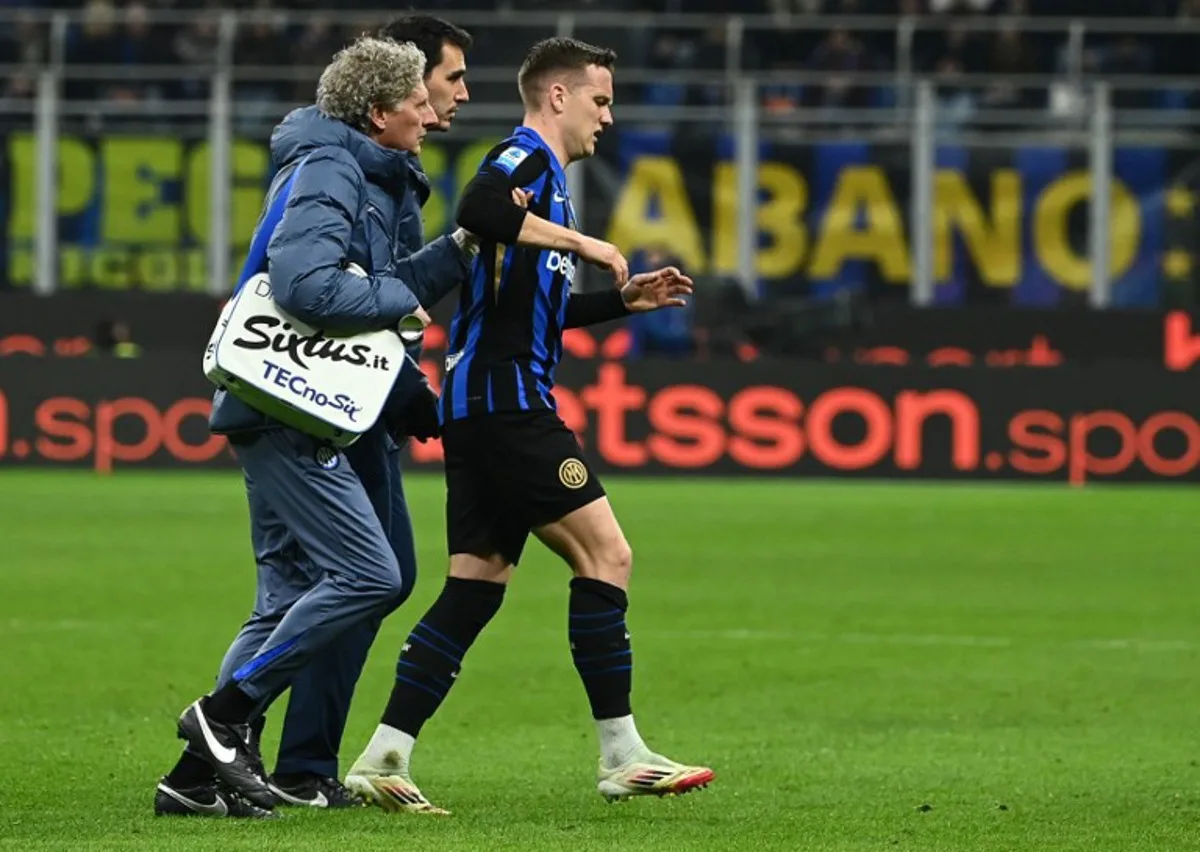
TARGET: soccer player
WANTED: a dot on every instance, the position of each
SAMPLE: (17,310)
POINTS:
(343,180)
(512,466)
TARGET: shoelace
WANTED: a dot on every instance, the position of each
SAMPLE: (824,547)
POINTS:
(246,733)
(238,799)
(334,788)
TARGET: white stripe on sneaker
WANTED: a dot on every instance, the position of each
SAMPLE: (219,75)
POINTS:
(217,808)
(221,752)
(317,801)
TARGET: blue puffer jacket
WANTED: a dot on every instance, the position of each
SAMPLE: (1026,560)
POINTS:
(354,202)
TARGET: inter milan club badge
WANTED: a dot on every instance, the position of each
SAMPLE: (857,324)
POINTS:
(327,457)
(573,474)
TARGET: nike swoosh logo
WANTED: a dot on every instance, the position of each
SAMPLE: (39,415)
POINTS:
(318,801)
(218,806)
(559,199)
(222,753)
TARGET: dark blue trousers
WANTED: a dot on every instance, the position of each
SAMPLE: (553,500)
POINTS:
(288,574)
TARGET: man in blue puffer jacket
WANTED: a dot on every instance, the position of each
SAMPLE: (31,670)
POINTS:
(330,530)
(306,771)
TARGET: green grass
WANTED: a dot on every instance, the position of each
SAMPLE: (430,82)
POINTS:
(1025,662)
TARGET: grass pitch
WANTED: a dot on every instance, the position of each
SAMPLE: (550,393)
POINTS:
(867,667)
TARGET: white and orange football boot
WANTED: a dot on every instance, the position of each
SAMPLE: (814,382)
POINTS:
(650,774)
(392,793)
(389,786)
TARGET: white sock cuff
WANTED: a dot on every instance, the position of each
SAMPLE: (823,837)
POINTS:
(390,741)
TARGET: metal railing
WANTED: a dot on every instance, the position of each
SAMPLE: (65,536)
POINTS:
(748,128)
(897,36)
(916,116)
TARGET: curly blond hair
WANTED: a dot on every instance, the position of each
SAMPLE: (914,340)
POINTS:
(370,72)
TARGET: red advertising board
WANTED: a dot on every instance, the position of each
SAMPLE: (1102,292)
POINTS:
(725,418)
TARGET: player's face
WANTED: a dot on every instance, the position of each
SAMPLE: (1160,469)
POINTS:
(447,85)
(404,127)
(588,111)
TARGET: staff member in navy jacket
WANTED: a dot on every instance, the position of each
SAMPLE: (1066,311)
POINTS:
(320,521)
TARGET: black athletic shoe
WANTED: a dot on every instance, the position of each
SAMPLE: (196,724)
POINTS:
(252,736)
(314,791)
(205,800)
(226,750)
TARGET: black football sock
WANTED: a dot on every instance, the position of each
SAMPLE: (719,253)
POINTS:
(600,645)
(230,706)
(190,772)
(433,653)
(256,733)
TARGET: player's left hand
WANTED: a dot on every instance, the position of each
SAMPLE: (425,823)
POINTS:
(663,288)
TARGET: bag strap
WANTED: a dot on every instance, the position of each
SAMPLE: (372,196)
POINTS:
(256,257)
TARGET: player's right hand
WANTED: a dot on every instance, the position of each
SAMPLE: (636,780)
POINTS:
(606,256)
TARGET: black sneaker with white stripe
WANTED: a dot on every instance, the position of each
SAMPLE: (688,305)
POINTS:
(314,791)
(252,736)
(209,800)
(226,750)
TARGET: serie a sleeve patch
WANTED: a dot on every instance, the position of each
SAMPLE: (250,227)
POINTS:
(510,158)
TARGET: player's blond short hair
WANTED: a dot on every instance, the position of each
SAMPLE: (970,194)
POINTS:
(368,73)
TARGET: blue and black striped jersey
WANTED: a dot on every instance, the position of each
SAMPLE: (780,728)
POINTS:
(506,336)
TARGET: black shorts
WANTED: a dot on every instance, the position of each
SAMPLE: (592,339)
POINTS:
(508,473)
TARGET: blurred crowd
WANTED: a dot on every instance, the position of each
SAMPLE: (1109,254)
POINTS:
(947,42)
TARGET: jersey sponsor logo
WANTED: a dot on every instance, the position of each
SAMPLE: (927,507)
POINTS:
(556,261)
(452,360)
(511,158)
(573,474)
(327,457)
